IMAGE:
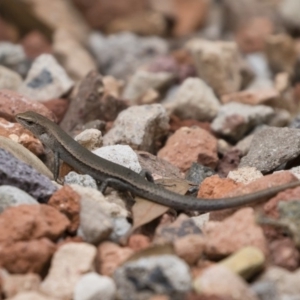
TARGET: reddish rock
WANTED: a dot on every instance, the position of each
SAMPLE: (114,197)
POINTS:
(35,44)
(190,248)
(263,183)
(284,253)
(110,256)
(188,145)
(58,107)
(270,208)
(252,35)
(216,187)
(100,12)
(26,256)
(18,133)
(138,242)
(67,201)
(229,162)
(12,103)
(28,222)
(8,32)
(234,233)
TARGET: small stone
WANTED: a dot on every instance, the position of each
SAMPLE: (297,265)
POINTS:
(31,222)
(190,247)
(244,144)
(75,59)
(229,162)
(183,226)
(194,100)
(284,143)
(197,173)
(27,256)
(120,227)
(95,225)
(90,139)
(235,119)
(93,286)
(284,253)
(241,230)
(139,127)
(24,177)
(142,81)
(58,107)
(9,79)
(163,274)
(265,290)
(12,103)
(120,154)
(45,80)
(68,264)
(281,118)
(245,175)
(136,51)
(288,11)
(246,262)
(67,201)
(82,180)
(220,59)
(286,283)
(93,198)
(12,196)
(202,148)
(14,284)
(111,256)
(138,242)
(31,296)
(229,284)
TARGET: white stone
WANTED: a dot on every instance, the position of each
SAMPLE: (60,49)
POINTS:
(9,79)
(93,286)
(245,175)
(68,264)
(120,154)
(45,80)
(90,138)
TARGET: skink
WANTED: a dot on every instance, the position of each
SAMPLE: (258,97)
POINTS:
(122,178)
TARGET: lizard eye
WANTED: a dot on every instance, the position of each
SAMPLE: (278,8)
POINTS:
(30,123)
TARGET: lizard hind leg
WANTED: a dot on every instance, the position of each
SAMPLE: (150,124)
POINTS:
(147,175)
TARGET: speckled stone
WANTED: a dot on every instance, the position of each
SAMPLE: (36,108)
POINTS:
(16,173)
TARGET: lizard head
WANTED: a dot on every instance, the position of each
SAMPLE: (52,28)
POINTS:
(33,122)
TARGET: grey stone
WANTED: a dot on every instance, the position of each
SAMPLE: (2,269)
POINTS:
(12,196)
(272,147)
(194,100)
(234,120)
(93,286)
(265,290)
(139,127)
(95,225)
(45,80)
(134,50)
(145,277)
(83,180)
(16,173)
(197,173)
(121,227)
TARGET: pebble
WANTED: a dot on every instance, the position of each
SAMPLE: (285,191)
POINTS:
(228,284)
(24,177)
(82,180)
(93,286)
(31,296)
(142,81)
(234,120)
(194,100)
(68,264)
(147,276)
(12,196)
(245,175)
(135,51)
(45,80)
(120,154)
(90,139)
(246,262)
(120,228)
(139,127)
(202,148)
(9,79)
(197,173)
(282,141)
